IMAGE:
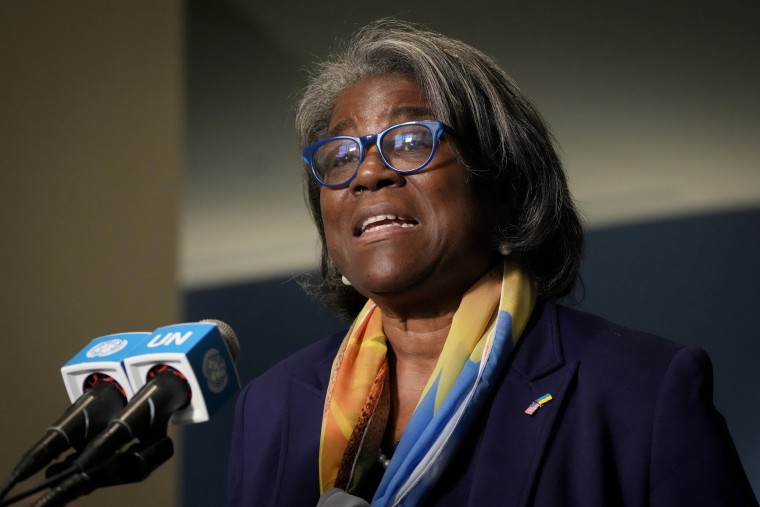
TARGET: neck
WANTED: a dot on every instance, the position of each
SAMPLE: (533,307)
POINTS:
(416,335)
(417,340)
(414,347)
(417,327)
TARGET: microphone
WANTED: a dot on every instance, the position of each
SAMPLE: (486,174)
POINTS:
(101,359)
(184,373)
(98,387)
(338,498)
(124,467)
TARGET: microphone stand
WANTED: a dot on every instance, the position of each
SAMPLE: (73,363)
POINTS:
(124,467)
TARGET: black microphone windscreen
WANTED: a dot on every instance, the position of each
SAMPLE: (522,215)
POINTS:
(229,336)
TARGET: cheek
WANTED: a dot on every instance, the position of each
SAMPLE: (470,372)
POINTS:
(454,200)
(468,216)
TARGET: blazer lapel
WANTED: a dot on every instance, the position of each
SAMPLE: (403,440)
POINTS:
(513,443)
(299,447)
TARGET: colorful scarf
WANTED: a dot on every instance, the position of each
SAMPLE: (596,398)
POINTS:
(482,335)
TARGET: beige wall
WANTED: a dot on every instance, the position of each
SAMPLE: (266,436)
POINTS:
(91,102)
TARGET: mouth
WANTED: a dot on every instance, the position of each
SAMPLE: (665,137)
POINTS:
(384,221)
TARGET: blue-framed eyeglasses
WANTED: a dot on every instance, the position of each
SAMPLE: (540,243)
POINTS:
(405,148)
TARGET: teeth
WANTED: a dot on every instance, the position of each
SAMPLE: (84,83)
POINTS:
(379,218)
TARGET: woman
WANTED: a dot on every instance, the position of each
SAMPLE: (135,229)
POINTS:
(448,232)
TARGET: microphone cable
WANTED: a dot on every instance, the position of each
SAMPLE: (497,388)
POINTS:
(125,467)
(48,483)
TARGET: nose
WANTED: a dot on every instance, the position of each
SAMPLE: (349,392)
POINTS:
(373,174)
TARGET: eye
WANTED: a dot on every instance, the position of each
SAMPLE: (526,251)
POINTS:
(337,154)
(345,154)
(410,141)
(336,160)
(413,141)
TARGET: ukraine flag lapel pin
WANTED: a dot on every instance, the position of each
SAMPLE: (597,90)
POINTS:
(538,403)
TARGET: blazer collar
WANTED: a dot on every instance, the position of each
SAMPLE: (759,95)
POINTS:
(317,378)
(539,351)
(512,443)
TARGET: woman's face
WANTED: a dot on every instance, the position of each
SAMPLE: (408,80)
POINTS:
(403,238)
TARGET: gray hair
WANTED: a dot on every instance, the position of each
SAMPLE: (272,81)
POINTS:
(501,139)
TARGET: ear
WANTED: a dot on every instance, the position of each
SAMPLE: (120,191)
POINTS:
(500,214)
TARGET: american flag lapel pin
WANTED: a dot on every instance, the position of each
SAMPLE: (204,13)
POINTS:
(538,403)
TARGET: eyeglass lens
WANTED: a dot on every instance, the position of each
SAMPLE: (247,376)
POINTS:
(405,148)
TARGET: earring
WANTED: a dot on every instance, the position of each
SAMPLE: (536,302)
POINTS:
(345,280)
(504,249)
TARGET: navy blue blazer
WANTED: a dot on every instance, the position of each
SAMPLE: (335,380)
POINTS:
(631,424)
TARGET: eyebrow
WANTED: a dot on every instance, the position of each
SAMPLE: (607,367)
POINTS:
(340,127)
(410,113)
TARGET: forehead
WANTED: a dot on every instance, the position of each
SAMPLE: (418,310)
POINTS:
(375,102)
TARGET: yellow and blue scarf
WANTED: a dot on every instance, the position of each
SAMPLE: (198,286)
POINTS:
(482,335)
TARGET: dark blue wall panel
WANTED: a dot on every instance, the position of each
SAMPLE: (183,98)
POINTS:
(696,281)
(693,280)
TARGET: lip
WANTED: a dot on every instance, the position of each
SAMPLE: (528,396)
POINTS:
(382,219)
